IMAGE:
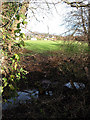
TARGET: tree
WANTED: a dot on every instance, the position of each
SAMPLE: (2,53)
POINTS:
(76,21)
(89,24)
(81,4)
(13,15)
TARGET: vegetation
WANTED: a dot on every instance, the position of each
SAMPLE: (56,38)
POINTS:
(55,66)
(11,68)
(28,63)
(41,46)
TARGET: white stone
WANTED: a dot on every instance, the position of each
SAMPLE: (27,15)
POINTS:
(76,84)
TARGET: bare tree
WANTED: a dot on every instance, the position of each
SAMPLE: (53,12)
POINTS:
(76,21)
(85,4)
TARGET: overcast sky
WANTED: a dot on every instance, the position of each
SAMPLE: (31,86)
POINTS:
(48,21)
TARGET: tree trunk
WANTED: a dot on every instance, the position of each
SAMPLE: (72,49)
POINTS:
(83,22)
(88,74)
(87,69)
(89,26)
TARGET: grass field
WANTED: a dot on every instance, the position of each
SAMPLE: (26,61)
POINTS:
(42,46)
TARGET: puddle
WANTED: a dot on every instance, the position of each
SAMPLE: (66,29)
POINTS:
(28,95)
(23,97)
(76,84)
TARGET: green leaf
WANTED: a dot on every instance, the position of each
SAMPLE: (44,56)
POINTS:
(11,87)
(9,70)
(21,69)
(18,17)
(17,56)
(5,84)
(12,68)
(1,90)
(12,76)
(22,35)
(13,57)
(17,31)
(13,61)
(5,79)
(22,16)
(24,22)
(18,76)
(22,43)
(15,66)
(3,37)
(18,25)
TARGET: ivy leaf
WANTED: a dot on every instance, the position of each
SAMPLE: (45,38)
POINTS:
(24,22)
(22,16)
(1,90)
(17,31)
(5,84)
(5,79)
(3,36)
(13,61)
(22,43)
(22,35)
(12,76)
(17,56)
(18,25)
(21,69)
(18,17)
(18,75)
(15,65)
(11,87)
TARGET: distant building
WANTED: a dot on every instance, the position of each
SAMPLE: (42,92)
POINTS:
(45,38)
(41,36)
(33,38)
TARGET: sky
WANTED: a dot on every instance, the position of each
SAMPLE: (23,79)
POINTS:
(44,19)
(48,20)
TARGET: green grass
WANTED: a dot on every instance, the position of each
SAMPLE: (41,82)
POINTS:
(42,46)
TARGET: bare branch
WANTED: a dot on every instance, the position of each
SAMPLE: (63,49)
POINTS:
(76,4)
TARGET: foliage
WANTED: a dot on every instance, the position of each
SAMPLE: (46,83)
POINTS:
(11,68)
(12,77)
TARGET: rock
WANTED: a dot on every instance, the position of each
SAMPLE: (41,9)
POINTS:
(76,84)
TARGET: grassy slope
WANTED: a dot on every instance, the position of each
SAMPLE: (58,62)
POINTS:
(42,46)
